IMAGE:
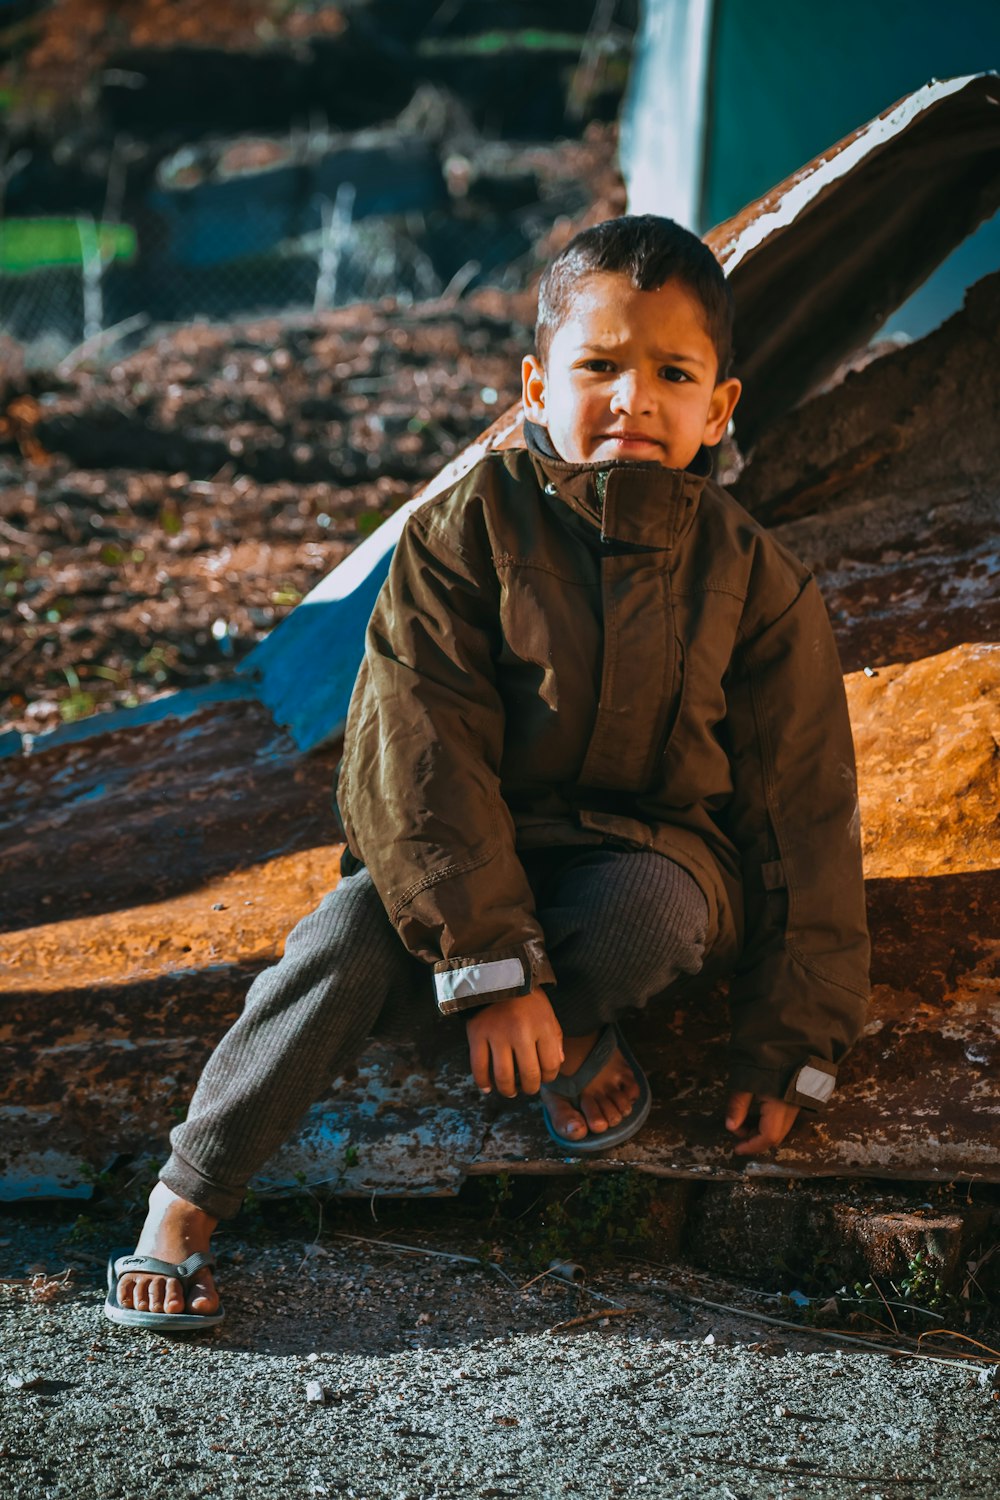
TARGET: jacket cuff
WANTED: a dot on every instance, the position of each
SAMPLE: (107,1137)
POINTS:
(808,1086)
(812,1084)
(478,979)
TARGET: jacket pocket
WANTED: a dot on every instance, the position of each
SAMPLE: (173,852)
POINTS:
(678,696)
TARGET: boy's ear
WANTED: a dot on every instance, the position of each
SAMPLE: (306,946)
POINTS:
(721,407)
(533,390)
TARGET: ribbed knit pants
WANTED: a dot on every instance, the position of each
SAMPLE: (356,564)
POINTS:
(620,927)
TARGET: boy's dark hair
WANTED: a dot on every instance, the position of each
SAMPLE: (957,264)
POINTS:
(649,250)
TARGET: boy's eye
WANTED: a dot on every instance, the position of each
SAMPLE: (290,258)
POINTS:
(674,373)
(599,366)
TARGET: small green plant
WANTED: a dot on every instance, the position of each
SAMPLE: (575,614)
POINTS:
(608,1211)
(598,1217)
(78,705)
(157,662)
(922,1285)
(286,594)
(368,522)
(85,1230)
(170,519)
(924,1299)
(98,1177)
(498,1191)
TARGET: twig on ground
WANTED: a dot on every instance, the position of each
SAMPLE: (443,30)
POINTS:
(12,534)
(580,1287)
(838,1336)
(592,1317)
(315,1241)
(951,1333)
(895,1325)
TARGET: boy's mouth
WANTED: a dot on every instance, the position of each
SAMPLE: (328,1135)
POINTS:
(627,438)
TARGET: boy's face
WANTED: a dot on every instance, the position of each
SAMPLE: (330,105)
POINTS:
(629,375)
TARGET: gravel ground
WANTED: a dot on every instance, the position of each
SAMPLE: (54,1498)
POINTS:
(441,1377)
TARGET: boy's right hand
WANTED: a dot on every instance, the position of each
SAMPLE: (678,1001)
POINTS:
(520,1039)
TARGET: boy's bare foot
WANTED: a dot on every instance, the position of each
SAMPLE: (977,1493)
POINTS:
(174,1229)
(606,1099)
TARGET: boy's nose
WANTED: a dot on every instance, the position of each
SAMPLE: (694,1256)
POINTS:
(631,394)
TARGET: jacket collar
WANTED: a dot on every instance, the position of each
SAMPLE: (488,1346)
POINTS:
(640,504)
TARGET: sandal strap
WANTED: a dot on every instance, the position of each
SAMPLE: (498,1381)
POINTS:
(571,1085)
(147,1265)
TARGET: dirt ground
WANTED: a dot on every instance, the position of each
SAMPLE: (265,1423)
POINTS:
(348,1365)
(159,517)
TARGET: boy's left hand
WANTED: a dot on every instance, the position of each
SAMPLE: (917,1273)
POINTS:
(776,1120)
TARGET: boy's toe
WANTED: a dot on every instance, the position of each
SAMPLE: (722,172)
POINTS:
(173,1301)
(596,1118)
(565,1119)
(203,1297)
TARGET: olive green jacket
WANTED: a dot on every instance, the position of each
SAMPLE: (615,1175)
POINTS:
(567,654)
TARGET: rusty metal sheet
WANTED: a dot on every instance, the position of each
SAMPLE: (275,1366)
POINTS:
(156,808)
(918,1099)
(819,262)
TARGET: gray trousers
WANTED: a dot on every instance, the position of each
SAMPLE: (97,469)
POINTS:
(620,927)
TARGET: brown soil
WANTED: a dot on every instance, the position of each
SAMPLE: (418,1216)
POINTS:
(158,518)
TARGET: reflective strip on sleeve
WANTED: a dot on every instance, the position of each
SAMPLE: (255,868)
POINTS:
(479,979)
(814,1084)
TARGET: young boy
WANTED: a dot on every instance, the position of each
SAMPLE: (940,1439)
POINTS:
(599,741)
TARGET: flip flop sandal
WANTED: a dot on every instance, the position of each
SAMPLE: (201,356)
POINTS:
(571,1085)
(121,1262)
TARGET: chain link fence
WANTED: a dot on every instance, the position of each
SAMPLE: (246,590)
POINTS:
(228,227)
(73,287)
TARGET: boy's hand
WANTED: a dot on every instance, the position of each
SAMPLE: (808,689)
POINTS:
(522,1040)
(776,1120)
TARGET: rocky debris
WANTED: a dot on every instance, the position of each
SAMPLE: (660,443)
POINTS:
(905,575)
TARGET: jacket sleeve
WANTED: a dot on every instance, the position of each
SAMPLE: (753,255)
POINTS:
(799,993)
(419,791)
